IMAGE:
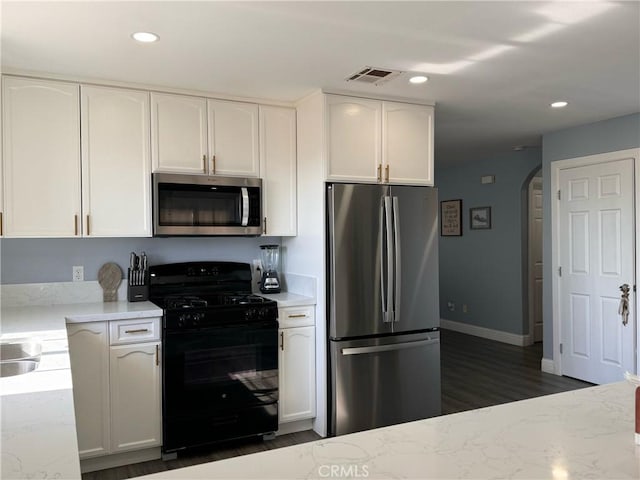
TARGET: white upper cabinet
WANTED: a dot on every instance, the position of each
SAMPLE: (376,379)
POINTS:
(233,138)
(353,138)
(179,133)
(41,156)
(116,165)
(278,167)
(407,143)
(375,141)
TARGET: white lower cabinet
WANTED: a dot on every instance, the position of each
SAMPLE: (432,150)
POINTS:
(135,397)
(297,374)
(89,352)
(116,388)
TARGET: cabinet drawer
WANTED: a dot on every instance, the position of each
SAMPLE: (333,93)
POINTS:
(296,316)
(134,330)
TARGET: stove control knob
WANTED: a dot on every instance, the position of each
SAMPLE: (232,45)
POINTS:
(250,314)
(196,318)
(182,320)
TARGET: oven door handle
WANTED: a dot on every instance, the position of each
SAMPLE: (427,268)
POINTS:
(245,206)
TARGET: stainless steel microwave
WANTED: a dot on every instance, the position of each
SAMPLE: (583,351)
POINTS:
(199,205)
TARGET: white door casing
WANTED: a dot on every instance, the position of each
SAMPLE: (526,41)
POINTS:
(535,259)
(594,241)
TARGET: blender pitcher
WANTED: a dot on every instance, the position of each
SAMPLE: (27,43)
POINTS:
(270,282)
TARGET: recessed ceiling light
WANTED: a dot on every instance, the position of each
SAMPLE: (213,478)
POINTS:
(559,104)
(418,79)
(145,37)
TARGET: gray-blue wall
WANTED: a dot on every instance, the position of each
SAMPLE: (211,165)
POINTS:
(618,133)
(52,259)
(483,268)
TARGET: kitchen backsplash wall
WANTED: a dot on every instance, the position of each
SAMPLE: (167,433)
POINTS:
(41,260)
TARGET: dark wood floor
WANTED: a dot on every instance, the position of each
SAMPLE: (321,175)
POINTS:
(476,373)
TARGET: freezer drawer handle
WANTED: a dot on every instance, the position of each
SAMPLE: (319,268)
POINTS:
(388,348)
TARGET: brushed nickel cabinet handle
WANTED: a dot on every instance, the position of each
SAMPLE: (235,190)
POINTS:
(298,315)
(386,173)
(204,163)
(75,225)
(213,164)
(1,223)
(379,172)
(157,355)
(282,341)
(88,226)
(138,330)
(265,225)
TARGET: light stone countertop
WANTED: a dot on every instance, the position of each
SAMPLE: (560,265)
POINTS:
(36,409)
(586,433)
(286,299)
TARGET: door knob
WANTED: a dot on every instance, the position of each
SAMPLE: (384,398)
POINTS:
(623,309)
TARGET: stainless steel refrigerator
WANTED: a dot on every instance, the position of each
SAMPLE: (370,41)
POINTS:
(384,340)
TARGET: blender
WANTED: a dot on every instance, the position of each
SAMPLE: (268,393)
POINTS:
(270,256)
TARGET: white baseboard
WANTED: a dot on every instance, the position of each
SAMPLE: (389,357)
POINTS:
(547,366)
(497,335)
(298,426)
(119,459)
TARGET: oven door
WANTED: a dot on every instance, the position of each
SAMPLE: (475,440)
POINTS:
(203,205)
(219,383)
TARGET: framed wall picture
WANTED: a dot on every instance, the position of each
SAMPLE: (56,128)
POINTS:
(451,218)
(480,218)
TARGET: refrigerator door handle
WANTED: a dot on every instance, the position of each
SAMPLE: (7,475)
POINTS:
(388,208)
(389,348)
(383,290)
(397,260)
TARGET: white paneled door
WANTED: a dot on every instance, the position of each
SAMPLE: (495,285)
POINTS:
(596,257)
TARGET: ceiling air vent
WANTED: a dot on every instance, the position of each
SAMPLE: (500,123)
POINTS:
(374,76)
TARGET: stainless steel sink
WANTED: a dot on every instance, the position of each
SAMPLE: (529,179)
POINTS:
(20,350)
(18,357)
(18,367)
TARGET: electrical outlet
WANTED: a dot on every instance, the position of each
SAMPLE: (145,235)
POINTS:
(451,306)
(257,265)
(465,309)
(78,273)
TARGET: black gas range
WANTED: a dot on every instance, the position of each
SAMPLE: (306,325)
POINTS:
(220,354)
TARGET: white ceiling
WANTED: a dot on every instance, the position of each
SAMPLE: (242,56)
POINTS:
(494,67)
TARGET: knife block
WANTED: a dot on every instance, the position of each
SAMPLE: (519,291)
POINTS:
(137,286)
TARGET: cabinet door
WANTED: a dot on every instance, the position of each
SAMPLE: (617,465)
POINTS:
(233,138)
(89,352)
(353,138)
(178,133)
(296,370)
(278,167)
(407,143)
(116,165)
(135,397)
(41,158)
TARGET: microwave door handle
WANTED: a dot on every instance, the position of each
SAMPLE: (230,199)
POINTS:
(245,206)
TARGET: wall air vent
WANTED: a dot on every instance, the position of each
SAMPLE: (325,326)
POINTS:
(373,76)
